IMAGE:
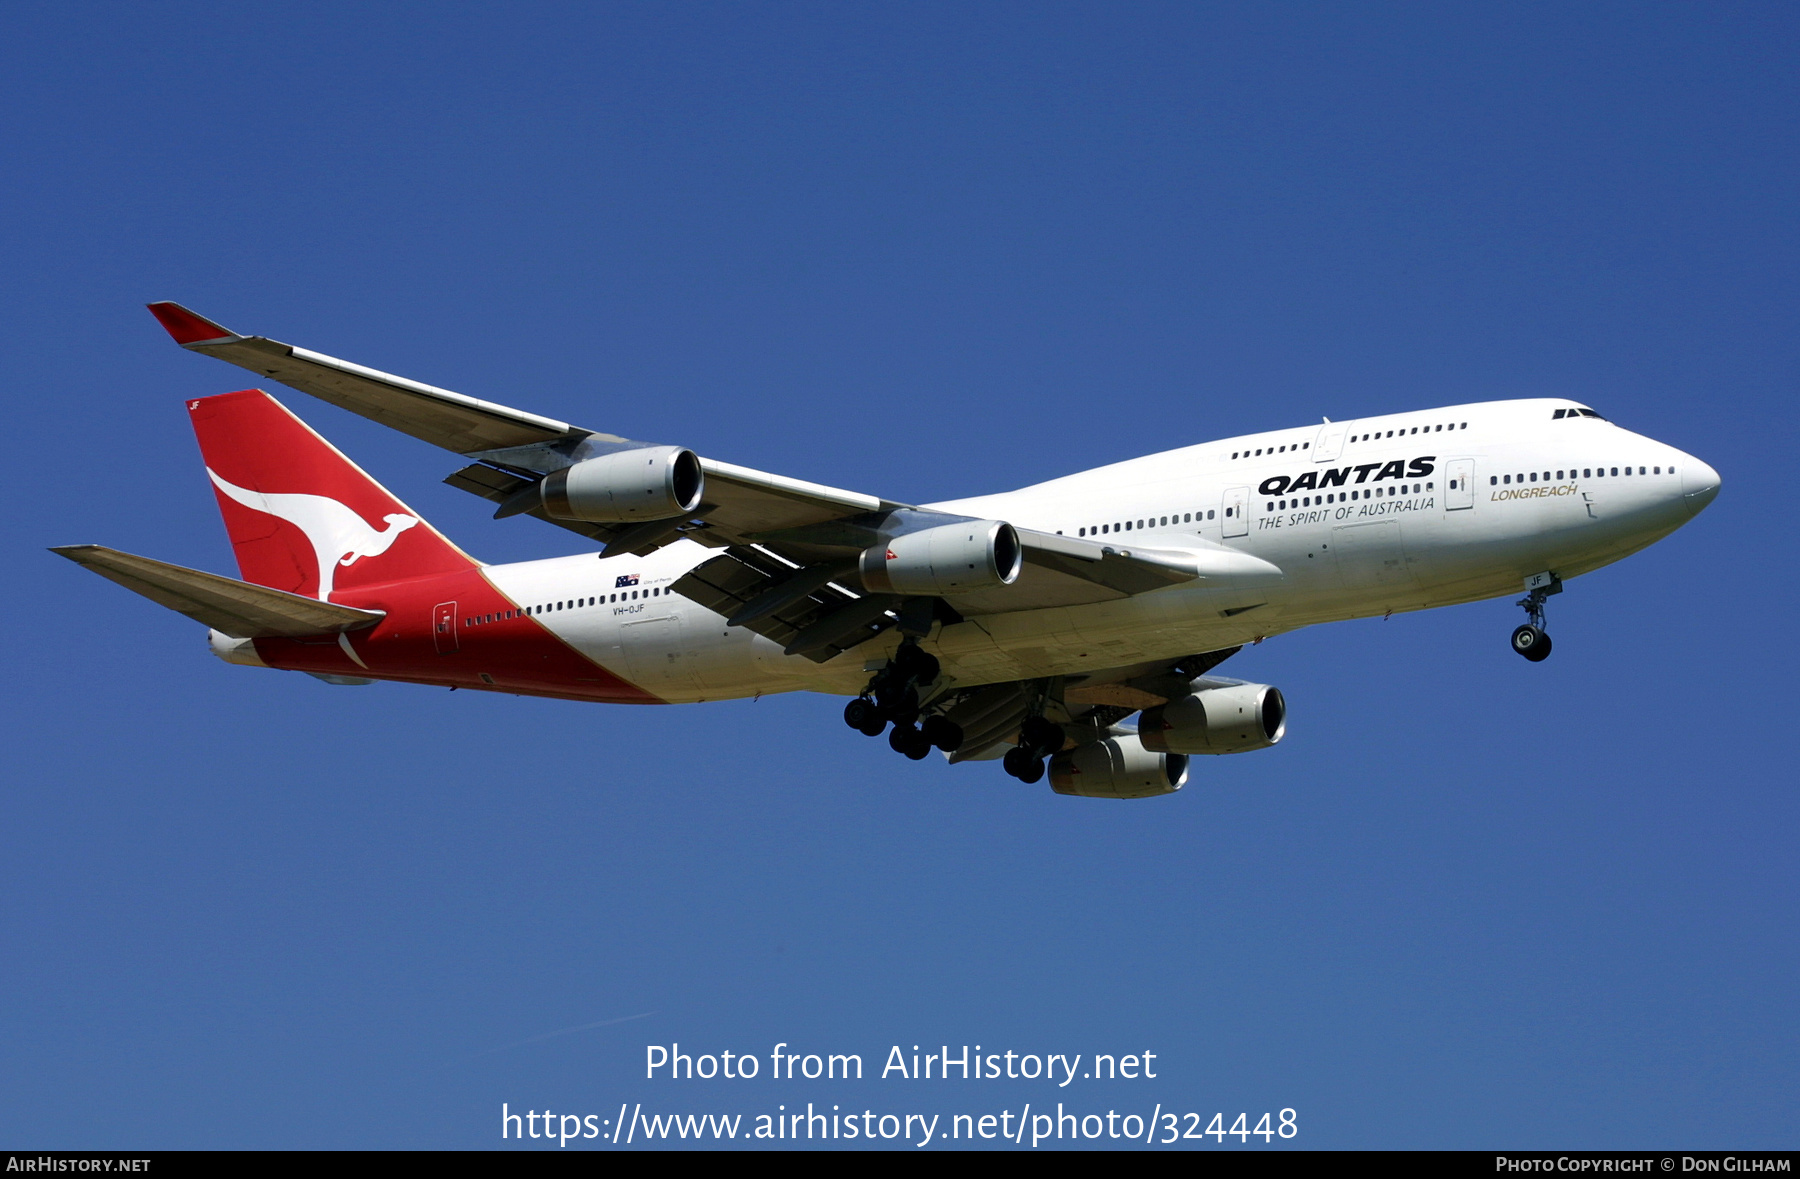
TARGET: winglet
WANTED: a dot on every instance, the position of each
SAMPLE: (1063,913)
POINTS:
(188,328)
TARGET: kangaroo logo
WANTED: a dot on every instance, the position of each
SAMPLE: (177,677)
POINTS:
(339,536)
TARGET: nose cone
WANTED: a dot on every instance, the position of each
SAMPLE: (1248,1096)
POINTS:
(1699,484)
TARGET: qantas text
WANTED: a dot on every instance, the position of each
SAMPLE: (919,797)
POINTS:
(1339,476)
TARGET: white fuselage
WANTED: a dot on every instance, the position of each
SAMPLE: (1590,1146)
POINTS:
(1364,522)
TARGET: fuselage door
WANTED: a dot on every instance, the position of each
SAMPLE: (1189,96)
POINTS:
(1330,442)
(656,656)
(443,627)
(1459,484)
(1237,523)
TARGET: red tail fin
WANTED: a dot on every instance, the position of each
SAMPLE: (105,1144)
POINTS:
(301,516)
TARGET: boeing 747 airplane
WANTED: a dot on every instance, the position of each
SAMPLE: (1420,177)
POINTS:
(1030,626)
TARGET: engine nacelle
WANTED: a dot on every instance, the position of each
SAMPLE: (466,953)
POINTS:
(1117,767)
(948,559)
(1230,718)
(652,483)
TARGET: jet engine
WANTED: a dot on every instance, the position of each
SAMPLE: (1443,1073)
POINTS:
(1222,718)
(1117,767)
(970,555)
(652,483)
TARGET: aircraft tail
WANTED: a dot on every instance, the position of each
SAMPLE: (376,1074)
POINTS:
(301,516)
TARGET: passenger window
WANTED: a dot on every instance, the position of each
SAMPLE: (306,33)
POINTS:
(1209,515)
(1509,478)
(1492,480)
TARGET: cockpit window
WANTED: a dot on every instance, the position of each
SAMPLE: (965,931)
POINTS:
(1575,413)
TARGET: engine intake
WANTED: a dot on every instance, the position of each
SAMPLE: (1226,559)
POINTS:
(1117,767)
(951,558)
(652,483)
(1228,718)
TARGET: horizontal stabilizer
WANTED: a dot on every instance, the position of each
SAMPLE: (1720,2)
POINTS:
(232,607)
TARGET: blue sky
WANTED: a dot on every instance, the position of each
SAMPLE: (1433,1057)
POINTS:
(921,251)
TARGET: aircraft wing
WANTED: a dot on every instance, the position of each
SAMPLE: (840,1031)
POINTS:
(990,715)
(785,541)
(232,607)
(506,440)
(438,416)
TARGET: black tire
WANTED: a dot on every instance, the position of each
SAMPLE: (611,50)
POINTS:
(859,713)
(1043,735)
(902,701)
(917,664)
(1023,764)
(876,724)
(944,733)
(908,742)
(1532,643)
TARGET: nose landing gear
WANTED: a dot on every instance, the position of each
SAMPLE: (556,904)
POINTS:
(1531,640)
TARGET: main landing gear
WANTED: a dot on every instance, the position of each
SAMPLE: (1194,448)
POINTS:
(893,695)
(1531,640)
(1039,737)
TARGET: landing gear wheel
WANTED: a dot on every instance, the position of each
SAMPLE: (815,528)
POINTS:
(943,733)
(909,742)
(1023,764)
(916,664)
(899,702)
(1042,734)
(1531,642)
(860,714)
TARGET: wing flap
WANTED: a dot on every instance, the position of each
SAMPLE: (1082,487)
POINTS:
(232,607)
(743,573)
